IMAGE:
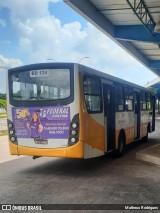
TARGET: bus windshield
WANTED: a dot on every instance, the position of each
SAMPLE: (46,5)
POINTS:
(41,84)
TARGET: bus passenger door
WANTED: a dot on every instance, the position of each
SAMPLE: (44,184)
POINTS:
(109,117)
(137,115)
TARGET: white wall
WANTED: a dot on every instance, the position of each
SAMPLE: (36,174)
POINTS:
(2,110)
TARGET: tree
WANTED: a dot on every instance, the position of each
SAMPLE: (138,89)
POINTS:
(3,104)
(3,96)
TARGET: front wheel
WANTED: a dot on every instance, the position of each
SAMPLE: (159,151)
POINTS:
(121,145)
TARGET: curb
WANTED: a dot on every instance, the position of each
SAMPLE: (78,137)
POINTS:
(148,158)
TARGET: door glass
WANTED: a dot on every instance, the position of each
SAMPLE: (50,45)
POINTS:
(108,96)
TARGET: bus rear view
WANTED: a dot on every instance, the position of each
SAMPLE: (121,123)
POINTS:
(43,108)
(70,110)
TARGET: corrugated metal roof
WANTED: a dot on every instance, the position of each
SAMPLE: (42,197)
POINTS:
(150,50)
(118,12)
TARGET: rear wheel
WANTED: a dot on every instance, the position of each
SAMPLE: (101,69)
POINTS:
(121,145)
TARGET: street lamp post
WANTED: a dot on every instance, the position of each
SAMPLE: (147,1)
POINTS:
(51,59)
(83,58)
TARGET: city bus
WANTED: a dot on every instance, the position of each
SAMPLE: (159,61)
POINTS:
(73,111)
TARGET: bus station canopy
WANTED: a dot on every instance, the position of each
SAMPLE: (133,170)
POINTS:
(133,24)
(155,84)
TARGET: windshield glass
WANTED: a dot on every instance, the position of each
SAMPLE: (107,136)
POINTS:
(44,84)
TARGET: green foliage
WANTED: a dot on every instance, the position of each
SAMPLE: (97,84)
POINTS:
(3,103)
(2,96)
(3,115)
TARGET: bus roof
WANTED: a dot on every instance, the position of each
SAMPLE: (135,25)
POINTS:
(82,68)
(111,77)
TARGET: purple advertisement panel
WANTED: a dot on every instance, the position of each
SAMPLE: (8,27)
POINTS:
(41,122)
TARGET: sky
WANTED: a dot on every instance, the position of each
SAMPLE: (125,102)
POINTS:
(35,31)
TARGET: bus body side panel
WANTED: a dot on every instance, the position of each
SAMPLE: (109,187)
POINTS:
(77,150)
(125,121)
(91,128)
(13,148)
(94,144)
(144,123)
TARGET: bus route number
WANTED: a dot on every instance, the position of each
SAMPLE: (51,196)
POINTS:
(38,73)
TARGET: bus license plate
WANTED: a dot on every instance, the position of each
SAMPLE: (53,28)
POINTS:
(41,141)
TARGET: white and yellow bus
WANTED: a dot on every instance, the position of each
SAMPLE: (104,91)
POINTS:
(69,110)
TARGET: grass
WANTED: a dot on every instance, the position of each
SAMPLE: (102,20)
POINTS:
(3,115)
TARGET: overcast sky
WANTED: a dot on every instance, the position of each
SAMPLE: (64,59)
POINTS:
(32,31)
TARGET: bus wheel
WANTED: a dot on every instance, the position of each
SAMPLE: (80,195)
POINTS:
(121,145)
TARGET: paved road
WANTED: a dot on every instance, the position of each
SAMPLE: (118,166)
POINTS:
(4,150)
(102,180)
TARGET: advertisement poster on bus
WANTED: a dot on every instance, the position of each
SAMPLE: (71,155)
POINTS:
(43,123)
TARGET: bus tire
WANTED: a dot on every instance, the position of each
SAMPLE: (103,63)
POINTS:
(121,145)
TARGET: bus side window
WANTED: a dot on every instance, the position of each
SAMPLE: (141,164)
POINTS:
(129,99)
(149,103)
(92,94)
(143,101)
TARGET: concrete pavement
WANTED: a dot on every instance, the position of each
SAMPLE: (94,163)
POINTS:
(3,126)
(3,123)
(105,180)
(4,150)
(151,154)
